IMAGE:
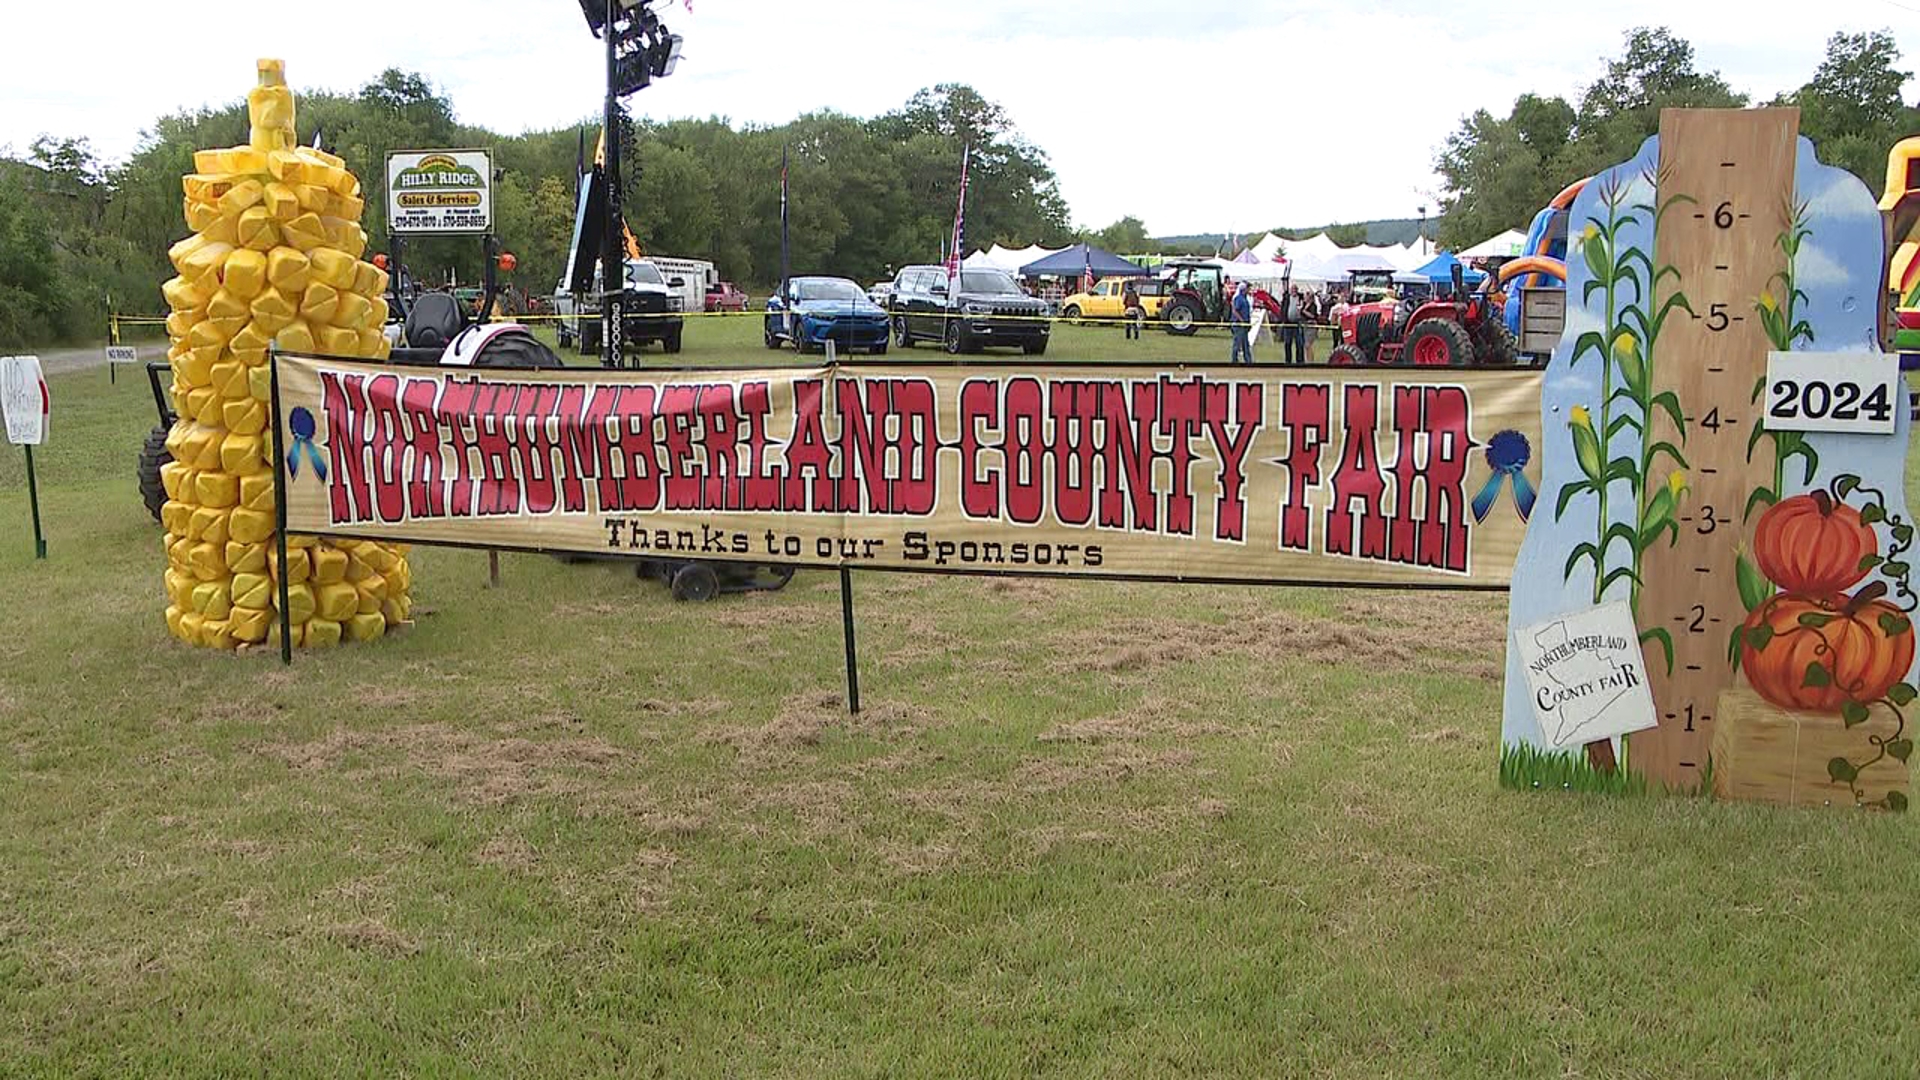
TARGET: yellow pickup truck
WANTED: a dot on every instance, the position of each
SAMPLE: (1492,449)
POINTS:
(1104,301)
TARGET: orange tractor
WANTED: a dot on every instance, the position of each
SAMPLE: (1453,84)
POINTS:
(1463,330)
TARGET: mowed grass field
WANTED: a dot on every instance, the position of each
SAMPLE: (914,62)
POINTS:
(567,828)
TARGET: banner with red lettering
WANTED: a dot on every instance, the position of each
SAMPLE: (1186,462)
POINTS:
(1407,476)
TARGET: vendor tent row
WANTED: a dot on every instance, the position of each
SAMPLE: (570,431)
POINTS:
(1316,260)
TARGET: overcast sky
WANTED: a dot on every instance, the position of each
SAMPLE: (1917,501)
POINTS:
(1194,117)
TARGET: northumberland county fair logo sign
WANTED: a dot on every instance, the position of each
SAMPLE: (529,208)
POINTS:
(440,191)
(1361,475)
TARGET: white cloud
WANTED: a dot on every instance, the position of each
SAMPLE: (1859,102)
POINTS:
(1814,268)
(1842,198)
(1580,320)
(1263,113)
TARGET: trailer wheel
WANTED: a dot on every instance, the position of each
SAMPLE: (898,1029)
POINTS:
(153,456)
(695,582)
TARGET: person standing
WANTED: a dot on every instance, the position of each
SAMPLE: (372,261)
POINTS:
(1239,315)
(1314,310)
(1134,313)
(1291,348)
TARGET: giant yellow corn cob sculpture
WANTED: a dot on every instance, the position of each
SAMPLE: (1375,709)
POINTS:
(275,256)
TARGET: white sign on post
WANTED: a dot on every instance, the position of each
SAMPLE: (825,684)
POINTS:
(1852,392)
(440,191)
(123,354)
(1587,676)
(23,398)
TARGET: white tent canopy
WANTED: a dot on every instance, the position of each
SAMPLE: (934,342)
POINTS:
(1269,248)
(1263,272)
(1504,246)
(1006,258)
(1318,251)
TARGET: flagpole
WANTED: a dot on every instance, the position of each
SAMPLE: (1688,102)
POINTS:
(959,220)
(783,224)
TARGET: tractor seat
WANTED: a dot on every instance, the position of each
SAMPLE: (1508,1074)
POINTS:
(434,320)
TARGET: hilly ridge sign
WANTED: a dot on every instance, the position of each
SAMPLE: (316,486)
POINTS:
(440,191)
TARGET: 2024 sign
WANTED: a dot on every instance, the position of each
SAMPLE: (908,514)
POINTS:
(1843,392)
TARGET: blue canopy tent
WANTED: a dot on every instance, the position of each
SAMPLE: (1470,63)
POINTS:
(1440,270)
(1074,261)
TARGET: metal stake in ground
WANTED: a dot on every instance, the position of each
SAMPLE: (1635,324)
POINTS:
(33,496)
(846,631)
(280,503)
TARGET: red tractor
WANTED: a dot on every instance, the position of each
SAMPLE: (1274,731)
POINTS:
(1196,293)
(1463,330)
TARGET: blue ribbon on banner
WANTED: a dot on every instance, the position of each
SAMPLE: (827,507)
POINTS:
(1508,454)
(301,424)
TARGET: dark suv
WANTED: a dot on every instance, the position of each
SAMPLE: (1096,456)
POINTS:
(986,307)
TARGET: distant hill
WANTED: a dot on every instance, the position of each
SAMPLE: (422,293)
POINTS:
(1380,233)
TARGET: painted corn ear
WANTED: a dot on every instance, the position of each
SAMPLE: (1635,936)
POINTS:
(275,256)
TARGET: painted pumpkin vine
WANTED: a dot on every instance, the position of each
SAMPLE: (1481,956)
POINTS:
(1808,644)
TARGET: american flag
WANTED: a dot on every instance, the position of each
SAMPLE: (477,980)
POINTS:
(1086,275)
(959,220)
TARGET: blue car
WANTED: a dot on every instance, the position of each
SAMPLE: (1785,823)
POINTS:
(814,310)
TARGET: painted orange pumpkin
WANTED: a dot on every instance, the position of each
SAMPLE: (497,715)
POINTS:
(1816,654)
(1813,545)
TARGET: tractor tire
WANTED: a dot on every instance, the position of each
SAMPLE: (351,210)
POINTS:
(1494,345)
(902,336)
(1348,356)
(1366,331)
(1182,318)
(1071,313)
(1438,343)
(695,582)
(154,456)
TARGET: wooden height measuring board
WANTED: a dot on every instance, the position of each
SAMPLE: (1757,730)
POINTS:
(1738,167)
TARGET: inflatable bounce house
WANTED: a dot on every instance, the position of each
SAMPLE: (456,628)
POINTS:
(1901,204)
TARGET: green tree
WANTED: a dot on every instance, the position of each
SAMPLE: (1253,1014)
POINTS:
(1498,171)
(1012,197)
(32,301)
(673,210)
(1619,112)
(1347,235)
(1852,108)
(1128,236)
(1494,180)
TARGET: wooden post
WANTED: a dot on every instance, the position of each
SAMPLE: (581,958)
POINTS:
(1738,166)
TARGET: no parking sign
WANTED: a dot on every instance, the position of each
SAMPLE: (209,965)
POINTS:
(24,400)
